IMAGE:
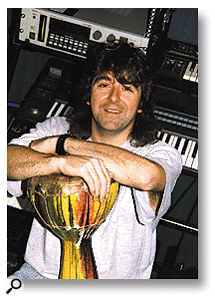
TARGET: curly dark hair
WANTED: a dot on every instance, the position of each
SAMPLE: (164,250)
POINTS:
(121,60)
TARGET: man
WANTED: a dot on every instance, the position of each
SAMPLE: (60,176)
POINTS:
(112,135)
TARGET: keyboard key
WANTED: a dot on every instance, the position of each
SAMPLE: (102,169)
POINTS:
(181,145)
(189,159)
(185,155)
(194,74)
(187,72)
(51,110)
(171,139)
(57,113)
(161,136)
(195,150)
(184,147)
(195,162)
(164,137)
(167,138)
(55,109)
(177,143)
(193,65)
(63,111)
(159,133)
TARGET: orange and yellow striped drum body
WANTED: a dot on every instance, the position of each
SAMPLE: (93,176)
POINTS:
(65,205)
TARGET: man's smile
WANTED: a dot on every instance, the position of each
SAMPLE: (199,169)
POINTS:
(112,111)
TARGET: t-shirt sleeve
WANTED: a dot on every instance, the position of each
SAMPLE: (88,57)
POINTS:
(50,127)
(170,159)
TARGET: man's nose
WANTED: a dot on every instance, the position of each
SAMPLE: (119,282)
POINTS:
(114,94)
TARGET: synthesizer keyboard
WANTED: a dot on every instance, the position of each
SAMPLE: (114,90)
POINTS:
(187,147)
(178,68)
(180,131)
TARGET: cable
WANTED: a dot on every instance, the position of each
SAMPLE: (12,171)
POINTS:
(180,224)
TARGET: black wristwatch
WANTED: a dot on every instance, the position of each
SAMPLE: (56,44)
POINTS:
(60,144)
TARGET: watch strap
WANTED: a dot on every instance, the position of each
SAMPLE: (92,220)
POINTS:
(60,144)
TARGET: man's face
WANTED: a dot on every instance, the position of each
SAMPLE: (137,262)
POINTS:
(114,106)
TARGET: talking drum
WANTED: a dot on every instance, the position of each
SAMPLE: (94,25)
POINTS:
(65,205)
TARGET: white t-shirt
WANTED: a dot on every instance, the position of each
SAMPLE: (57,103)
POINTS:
(124,245)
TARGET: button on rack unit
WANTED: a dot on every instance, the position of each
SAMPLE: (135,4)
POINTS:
(67,43)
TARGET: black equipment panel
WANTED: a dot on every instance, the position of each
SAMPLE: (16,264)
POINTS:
(50,95)
(18,229)
(179,67)
(176,96)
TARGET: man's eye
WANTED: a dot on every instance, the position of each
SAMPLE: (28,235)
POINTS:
(128,89)
(103,85)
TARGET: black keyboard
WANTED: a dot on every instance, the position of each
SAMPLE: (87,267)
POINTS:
(179,67)
(180,131)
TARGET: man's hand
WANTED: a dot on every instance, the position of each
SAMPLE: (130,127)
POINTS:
(45,145)
(92,170)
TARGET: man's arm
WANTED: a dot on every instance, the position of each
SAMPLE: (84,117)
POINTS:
(24,162)
(127,168)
